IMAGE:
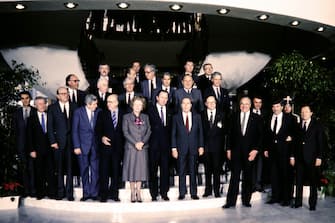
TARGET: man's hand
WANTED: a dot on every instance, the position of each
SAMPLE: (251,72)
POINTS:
(252,155)
(106,141)
(292,161)
(201,151)
(175,153)
(266,154)
(228,154)
(318,162)
(54,146)
(33,154)
(77,151)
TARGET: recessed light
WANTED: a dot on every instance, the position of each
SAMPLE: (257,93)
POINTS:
(295,23)
(263,17)
(323,58)
(223,11)
(71,5)
(320,29)
(176,7)
(20,6)
(123,5)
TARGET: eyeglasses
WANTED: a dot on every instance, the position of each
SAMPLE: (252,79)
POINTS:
(65,93)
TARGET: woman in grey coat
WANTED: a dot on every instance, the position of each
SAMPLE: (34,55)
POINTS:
(136,130)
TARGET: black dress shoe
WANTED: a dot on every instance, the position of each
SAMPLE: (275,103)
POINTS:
(217,195)
(181,197)
(226,206)
(271,201)
(248,205)
(94,198)
(206,195)
(165,198)
(297,206)
(285,203)
(84,198)
(195,197)
(312,208)
(70,198)
(154,199)
(103,200)
(39,197)
(116,199)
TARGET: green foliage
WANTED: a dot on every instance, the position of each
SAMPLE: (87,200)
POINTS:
(11,83)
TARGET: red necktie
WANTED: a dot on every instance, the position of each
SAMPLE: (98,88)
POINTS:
(187,124)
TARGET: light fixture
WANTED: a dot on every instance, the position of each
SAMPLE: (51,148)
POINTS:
(295,23)
(176,7)
(263,17)
(320,29)
(223,11)
(20,6)
(122,5)
(323,58)
(71,5)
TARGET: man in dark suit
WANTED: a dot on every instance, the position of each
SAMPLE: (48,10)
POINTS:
(76,96)
(187,143)
(244,143)
(279,133)
(190,92)
(188,70)
(166,86)
(39,147)
(308,156)
(151,83)
(126,97)
(220,93)
(20,119)
(136,66)
(160,117)
(102,93)
(205,79)
(214,124)
(85,145)
(59,133)
(111,141)
(104,73)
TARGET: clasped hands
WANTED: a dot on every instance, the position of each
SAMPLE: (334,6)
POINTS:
(175,152)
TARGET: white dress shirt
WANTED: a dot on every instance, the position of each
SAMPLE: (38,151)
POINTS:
(247,114)
(159,111)
(189,114)
(40,119)
(279,121)
(67,107)
(209,114)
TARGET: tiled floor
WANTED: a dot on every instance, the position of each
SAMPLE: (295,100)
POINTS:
(259,213)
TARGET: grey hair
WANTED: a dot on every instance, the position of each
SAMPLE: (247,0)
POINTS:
(90,98)
(216,74)
(128,79)
(151,66)
(41,98)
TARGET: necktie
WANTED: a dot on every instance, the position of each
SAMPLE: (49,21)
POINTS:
(217,93)
(187,124)
(243,123)
(92,120)
(128,99)
(304,127)
(162,115)
(211,120)
(43,123)
(103,96)
(114,119)
(257,112)
(275,126)
(65,111)
(73,99)
(151,88)
(25,115)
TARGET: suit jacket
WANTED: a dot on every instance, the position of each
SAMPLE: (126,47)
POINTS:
(311,144)
(37,140)
(112,83)
(252,140)
(203,83)
(20,129)
(223,102)
(196,98)
(214,136)
(102,103)
(105,127)
(187,141)
(80,98)
(145,88)
(280,139)
(171,96)
(83,134)
(59,128)
(123,101)
(160,138)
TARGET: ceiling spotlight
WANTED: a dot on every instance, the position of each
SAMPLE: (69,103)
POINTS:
(176,7)
(71,5)
(123,5)
(320,29)
(223,11)
(20,6)
(263,17)
(295,23)
(323,58)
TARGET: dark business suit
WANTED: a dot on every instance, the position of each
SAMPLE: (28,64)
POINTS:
(159,150)
(80,100)
(171,92)
(123,101)
(145,89)
(223,101)
(110,156)
(203,83)
(84,137)
(59,131)
(309,146)
(280,150)
(214,134)
(196,99)
(240,146)
(187,144)
(27,170)
(179,83)
(112,83)
(102,102)
(38,141)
